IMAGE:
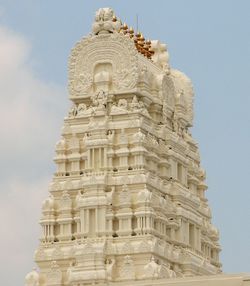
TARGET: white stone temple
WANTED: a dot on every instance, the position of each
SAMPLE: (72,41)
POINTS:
(127,203)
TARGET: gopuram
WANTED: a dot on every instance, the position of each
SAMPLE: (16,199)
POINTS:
(127,203)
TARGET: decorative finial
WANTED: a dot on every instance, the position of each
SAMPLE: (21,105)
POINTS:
(105,22)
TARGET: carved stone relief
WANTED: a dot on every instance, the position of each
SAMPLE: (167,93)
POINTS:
(112,49)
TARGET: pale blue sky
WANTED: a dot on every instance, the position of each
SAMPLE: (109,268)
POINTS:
(208,40)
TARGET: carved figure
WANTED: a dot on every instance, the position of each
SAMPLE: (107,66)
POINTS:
(167,272)
(128,270)
(100,101)
(135,103)
(82,108)
(109,268)
(161,56)
(55,274)
(123,138)
(73,111)
(110,135)
(69,271)
(105,22)
(61,145)
(110,195)
(32,278)
(152,269)
(121,107)
(125,197)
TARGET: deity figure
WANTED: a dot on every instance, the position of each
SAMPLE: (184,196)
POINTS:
(135,104)
(99,102)
(73,111)
(109,268)
(82,108)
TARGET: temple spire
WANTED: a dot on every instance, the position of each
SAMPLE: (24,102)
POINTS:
(127,201)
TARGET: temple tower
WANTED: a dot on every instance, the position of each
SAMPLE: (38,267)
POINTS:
(127,201)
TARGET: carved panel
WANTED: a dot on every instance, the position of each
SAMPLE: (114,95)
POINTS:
(108,58)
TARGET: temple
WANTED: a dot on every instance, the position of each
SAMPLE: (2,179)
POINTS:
(127,203)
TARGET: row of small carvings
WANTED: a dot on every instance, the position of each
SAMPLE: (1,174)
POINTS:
(122,108)
(96,178)
(89,246)
(86,198)
(139,139)
(158,132)
(163,186)
(180,141)
(111,270)
(162,208)
(98,106)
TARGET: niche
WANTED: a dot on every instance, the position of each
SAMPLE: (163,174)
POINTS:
(92,222)
(191,235)
(103,77)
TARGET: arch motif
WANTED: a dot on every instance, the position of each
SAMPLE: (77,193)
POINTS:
(115,49)
(183,83)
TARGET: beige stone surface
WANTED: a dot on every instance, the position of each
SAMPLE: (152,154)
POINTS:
(127,203)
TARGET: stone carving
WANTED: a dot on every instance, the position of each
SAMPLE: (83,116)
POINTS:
(152,269)
(32,278)
(110,196)
(110,135)
(109,268)
(166,272)
(57,252)
(177,270)
(40,254)
(123,138)
(66,129)
(121,107)
(168,95)
(73,111)
(135,105)
(144,196)
(127,248)
(88,248)
(70,271)
(138,106)
(100,100)
(143,247)
(155,271)
(115,49)
(128,269)
(183,83)
(161,55)
(54,276)
(61,145)
(56,186)
(125,196)
(49,203)
(105,22)
(81,109)
(145,75)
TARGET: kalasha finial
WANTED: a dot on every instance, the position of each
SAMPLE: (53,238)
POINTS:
(110,21)
(124,28)
(142,38)
(131,32)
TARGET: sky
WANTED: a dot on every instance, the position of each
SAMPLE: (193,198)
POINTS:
(208,40)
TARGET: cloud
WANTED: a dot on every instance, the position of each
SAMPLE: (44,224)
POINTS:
(31,116)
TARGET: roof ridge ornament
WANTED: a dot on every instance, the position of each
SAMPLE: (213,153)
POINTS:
(105,22)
